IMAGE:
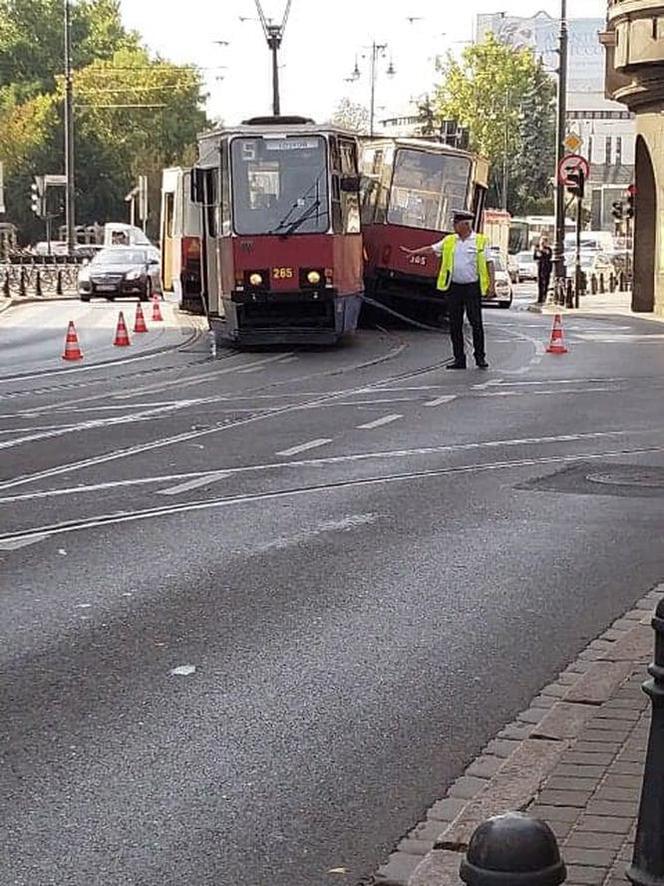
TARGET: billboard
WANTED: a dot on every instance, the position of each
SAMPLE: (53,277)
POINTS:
(541,34)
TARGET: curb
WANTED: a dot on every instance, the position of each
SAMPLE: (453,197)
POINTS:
(511,770)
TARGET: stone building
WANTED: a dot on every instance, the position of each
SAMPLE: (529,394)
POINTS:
(634,43)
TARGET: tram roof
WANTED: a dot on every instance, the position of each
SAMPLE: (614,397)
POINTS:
(422,144)
(277,126)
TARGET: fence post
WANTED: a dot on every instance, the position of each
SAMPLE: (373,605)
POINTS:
(21,282)
(38,286)
(648,864)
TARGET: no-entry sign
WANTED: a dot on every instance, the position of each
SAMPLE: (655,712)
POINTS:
(572,163)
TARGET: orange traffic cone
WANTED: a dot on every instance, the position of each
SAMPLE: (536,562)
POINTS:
(557,343)
(72,348)
(139,325)
(156,310)
(121,334)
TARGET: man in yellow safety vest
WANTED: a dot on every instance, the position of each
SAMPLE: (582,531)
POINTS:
(466,275)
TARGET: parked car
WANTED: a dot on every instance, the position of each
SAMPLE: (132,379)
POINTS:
(592,262)
(121,272)
(58,247)
(526,267)
(504,290)
(87,250)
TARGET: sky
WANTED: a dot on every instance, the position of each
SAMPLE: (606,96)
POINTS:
(323,39)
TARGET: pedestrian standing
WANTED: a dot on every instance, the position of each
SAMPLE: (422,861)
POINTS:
(466,275)
(543,255)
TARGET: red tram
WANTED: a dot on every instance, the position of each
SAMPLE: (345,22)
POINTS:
(410,188)
(281,244)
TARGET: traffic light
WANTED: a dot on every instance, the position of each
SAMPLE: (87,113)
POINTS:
(576,183)
(37,198)
(617,210)
(629,201)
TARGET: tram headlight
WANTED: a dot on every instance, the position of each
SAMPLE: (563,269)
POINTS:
(256,279)
(313,277)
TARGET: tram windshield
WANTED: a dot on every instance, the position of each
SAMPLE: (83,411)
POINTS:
(427,188)
(280,185)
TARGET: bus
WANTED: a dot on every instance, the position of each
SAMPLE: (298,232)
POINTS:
(525,232)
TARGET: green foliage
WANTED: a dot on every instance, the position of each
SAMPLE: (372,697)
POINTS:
(134,114)
(506,100)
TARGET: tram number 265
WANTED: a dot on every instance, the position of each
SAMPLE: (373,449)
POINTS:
(282,273)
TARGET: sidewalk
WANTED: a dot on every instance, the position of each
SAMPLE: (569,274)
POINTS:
(574,759)
(606,305)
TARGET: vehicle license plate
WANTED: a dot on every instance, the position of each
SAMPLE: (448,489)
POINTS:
(105,288)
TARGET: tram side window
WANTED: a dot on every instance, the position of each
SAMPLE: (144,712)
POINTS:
(225,195)
(335,164)
(350,202)
(212,201)
(427,188)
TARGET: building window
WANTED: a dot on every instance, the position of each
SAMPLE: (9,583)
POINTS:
(655,29)
(590,148)
(608,158)
(618,150)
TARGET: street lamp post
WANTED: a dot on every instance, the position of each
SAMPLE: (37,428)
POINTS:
(377,50)
(559,256)
(70,191)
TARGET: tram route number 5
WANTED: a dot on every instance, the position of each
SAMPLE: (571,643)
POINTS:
(282,273)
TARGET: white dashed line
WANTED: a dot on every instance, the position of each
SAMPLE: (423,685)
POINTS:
(304,447)
(385,420)
(193,484)
(439,401)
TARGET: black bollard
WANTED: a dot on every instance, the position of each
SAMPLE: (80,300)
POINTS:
(58,285)
(513,849)
(569,293)
(621,282)
(612,282)
(38,286)
(21,283)
(648,864)
(602,290)
(6,291)
(593,285)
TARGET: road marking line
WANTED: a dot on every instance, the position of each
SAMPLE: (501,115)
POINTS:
(439,401)
(249,371)
(304,447)
(382,455)
(380,422)
(12,541)
(193,484)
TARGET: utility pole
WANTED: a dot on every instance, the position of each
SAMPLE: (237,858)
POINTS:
(506,172)
(70,192)
(376,48)
(274,34)
(559,252)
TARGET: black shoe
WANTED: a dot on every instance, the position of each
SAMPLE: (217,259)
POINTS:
(482,364)
(456,365)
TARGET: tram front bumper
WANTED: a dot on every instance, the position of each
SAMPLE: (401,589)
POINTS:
(296,316)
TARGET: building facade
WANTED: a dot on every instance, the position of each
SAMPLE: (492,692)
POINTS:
(606,127)
(634,44)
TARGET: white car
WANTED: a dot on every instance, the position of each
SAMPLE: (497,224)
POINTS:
(526,267)
(504,290)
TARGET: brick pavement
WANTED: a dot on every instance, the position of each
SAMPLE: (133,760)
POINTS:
(574,758)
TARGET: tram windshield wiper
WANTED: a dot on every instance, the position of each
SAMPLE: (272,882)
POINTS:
(310,212)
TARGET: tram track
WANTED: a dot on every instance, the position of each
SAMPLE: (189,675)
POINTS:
(22,538)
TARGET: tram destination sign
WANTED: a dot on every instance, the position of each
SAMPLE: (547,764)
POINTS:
(291,144)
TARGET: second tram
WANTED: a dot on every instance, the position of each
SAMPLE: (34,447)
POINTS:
(281,244)
(410,188)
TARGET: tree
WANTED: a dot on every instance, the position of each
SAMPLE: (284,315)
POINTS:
(506,99)
(351,115)
(134,114)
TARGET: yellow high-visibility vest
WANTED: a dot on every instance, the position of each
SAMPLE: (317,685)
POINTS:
(447,263)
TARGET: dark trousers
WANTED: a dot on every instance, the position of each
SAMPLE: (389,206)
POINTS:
(543,280)
(466,297)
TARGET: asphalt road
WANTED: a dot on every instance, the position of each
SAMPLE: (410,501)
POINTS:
(258,612)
